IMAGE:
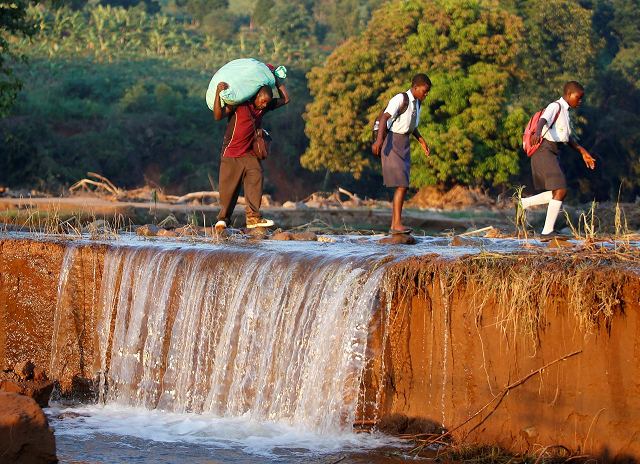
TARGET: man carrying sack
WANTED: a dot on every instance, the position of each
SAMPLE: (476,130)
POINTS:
(239,163)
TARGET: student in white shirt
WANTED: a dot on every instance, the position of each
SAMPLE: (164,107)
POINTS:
(548,174)
(394,149)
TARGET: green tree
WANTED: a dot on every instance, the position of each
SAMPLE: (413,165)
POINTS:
(262,11)
(346,18)
(468,48)
(613,105)
(13,21)
(201,8)
(289,22)
(221,24)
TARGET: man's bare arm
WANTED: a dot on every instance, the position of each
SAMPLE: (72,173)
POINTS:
(218,111)
(284,95)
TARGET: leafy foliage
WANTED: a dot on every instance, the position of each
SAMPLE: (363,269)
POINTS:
(470,53)
(121,92)
(13,21)
(492,64)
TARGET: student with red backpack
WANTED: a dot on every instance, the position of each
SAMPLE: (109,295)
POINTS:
(544,148)
(400,120)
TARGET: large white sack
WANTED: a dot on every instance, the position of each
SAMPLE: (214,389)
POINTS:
(245,76)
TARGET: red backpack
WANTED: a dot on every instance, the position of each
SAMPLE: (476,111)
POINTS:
(531,128)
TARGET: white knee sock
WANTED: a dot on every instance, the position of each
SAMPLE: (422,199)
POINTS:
(552,213)
(539,199)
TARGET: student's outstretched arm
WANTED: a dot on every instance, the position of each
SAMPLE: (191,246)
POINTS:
(423,142)
(284,94)
(589,160)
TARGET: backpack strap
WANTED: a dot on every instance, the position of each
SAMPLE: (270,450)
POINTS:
(405,105)
(557,114)
(554,119)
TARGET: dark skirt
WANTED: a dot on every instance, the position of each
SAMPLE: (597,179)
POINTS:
(546,168)
(396,160)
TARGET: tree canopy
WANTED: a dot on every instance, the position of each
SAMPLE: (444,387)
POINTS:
(120,90)
(491,66)
(13,21)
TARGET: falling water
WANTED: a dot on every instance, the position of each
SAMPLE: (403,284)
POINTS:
(62,317)
(278,337)
(445,302)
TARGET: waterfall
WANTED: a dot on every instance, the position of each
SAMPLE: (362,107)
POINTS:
(63,318)
(273,336)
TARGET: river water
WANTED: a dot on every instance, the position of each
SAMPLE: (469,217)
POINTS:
(117,434)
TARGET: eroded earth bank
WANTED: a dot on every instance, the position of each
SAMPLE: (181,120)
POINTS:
(524,350)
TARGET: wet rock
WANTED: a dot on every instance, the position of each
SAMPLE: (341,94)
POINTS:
(69,415)
(305,237)
(462,241)
(257,232)
(39,374)
(283,236)
(324,238)
(25,435)
(166,233)
(24,370)
(399,239)
(228,233)
(39,390)
(147,230)
(559,243)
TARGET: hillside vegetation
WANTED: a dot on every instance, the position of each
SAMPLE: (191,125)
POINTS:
(119,89)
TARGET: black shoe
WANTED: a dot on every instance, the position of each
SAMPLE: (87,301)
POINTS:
(553,234)
(406,230)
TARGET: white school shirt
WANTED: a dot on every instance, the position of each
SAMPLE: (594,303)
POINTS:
(401,124)
(561,130)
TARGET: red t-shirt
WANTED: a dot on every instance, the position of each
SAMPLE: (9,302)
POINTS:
(238,137)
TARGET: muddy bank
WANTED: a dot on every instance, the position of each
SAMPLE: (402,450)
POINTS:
(450,339)
(521,351)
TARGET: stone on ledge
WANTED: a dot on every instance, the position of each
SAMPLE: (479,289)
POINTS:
(305,237)
(283,236)
(399,239)
(147,230)
(166,233)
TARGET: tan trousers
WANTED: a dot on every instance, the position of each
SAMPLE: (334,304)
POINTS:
(234,173)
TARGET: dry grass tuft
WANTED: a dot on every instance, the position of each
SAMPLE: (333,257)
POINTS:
(589,282)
